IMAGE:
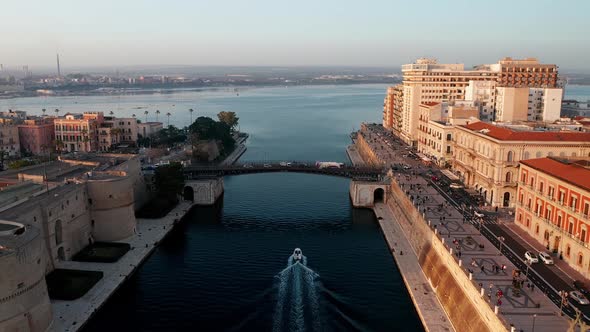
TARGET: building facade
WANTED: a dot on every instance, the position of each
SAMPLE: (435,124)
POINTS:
(553,206)
(37,135)
(78,132)
(9,140)
(487,156)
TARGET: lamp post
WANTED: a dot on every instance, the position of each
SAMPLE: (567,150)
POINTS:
(526,274)
(534,317)
(501,239)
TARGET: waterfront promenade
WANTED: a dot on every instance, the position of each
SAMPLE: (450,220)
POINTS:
(429,309)
(477,255)
(70,316)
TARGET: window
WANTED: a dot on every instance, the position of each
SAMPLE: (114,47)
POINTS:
(508,176)
(586,209)
(580,259)
(510,156)
(567,251)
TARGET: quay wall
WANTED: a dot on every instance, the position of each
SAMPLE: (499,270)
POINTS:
(364,149)
(460,298)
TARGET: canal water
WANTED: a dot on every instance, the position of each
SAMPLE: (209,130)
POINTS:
(225,267)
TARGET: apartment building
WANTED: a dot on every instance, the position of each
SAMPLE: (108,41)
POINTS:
(78,132)
(428,81)
(553,206)
(9,141)
(436,128)
(487,156)
(37,135)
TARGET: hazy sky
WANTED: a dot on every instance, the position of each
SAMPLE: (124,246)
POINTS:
(286,33)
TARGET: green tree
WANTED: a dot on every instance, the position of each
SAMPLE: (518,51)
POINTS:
(205,128)
(169,181)
(229,118)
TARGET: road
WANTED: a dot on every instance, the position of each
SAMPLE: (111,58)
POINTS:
(548,279)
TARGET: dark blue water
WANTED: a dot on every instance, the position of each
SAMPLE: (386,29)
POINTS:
(223,268)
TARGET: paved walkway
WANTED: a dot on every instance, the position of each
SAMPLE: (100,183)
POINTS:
(479,257)
(72,315)
(431,311)
(354,156)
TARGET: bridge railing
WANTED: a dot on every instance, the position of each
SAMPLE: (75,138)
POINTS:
(279,164)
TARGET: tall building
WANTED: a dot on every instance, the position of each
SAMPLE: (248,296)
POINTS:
(487,156)
(428,81)
(553,206)
(37,135)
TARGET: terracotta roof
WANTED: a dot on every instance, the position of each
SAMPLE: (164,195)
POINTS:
(571,172)
(505,134)
(430,103)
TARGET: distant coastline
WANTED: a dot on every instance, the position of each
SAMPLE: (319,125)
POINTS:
(115,90)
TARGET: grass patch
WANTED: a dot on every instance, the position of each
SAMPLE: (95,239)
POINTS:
(158,207)
(102,252)
(63,284)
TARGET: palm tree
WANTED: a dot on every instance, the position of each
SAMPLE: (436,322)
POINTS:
(157,112)
(133,115)
(43,110)
(146,113)
(56,111)
(191,111)
(168,115)
(111,113)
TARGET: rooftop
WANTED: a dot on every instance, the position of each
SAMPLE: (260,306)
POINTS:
(575,172)
(505,134)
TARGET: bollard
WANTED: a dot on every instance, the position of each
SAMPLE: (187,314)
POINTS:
(460,263)
(443,240)
(435,231)
(496,310)
(428,222)
(451,251)
(512,329)
(470,276)
(482,292)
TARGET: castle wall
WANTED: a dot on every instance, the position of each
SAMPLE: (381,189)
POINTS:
(24,302)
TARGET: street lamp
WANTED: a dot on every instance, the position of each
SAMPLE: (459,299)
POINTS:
(534,317)
(526,274)
(501,239)
(562,295)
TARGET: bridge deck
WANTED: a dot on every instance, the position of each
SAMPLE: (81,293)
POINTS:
(348,171)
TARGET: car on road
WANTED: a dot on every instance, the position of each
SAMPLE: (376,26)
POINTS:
(479,214)
(579,297)
(545,258)
(456,185)
(248,166)
(581,287)
(267,165)
(531,257)
(285,164)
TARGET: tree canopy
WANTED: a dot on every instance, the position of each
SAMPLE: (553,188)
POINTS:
(169,180)
(229,118)
(205,128)
(165,137)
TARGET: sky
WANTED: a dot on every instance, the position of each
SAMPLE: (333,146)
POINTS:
(113,33)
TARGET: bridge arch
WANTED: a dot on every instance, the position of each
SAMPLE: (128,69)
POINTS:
(378,195)
(188,193)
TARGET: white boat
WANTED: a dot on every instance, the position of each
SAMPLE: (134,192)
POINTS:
(297,254)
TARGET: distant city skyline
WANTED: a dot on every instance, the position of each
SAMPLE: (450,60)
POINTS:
(378,33)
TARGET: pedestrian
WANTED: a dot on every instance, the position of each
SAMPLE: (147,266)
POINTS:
(483,269)
(459,253)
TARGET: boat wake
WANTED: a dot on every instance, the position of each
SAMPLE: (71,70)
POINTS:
(297,308)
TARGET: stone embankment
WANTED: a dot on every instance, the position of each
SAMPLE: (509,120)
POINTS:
(237,152)
(72,315)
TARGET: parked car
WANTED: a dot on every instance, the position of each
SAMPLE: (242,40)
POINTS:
(531,257)
(545,258)
(581,287)
(579,297)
